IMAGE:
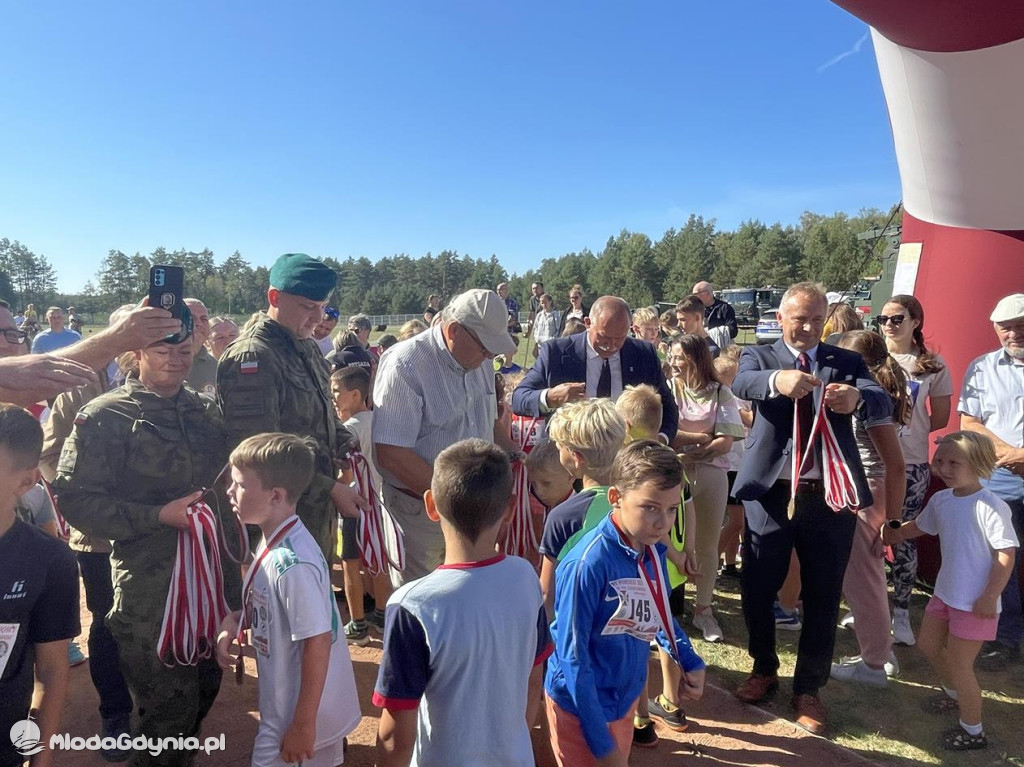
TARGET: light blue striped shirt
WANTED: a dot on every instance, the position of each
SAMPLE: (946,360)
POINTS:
(425,400)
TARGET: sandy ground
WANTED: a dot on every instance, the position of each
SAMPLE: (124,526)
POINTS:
(722,730)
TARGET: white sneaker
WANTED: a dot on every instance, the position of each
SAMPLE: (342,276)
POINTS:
(859,671)
(708,626)
(891,666)
(847,621)
(902,633)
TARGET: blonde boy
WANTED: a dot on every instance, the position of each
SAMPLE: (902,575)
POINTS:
(588,434)
(307,691)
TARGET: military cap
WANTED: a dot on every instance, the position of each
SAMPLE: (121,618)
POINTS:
(302,275)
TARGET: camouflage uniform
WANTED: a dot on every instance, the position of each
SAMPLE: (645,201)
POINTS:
(130,453)
(269,380)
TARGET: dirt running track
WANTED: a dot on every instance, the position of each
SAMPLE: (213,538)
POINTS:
(722,731)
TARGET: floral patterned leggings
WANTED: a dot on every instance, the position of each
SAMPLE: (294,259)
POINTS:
(904,555)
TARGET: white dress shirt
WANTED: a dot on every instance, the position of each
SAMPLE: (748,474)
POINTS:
(594,364)
(814,471)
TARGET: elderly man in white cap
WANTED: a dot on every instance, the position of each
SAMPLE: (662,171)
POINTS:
(432,391)
(992,403)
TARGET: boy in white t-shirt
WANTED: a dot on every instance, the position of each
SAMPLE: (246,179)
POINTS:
(350,389)
(307,691)
(460,676)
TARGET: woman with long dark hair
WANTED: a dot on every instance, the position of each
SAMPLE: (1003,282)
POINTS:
(709,421)
(864,584)
(931,393)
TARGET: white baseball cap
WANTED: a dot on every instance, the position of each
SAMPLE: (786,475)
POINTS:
(484,312)
(1009,308)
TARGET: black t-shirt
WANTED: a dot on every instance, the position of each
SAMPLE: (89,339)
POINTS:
(38,603)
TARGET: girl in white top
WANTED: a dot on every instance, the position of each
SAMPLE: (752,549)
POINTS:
(977,541)
(709,421)
(901,323)
(545,325)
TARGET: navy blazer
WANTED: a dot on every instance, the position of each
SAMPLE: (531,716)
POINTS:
(564,360)
(771,437)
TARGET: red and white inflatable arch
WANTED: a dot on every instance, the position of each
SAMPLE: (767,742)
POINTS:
(953,76)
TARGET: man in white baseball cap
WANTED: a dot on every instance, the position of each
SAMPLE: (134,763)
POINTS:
(431,391)
(991,403)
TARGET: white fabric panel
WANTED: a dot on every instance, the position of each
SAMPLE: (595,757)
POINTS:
(958,125)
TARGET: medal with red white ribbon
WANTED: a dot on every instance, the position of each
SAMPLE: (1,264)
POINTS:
(520,536)
(836,475)
(376,526)
(657,589)
(195,603)
(246,617)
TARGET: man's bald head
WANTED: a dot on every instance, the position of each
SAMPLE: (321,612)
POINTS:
(608,325)
(705,292)
(200,319)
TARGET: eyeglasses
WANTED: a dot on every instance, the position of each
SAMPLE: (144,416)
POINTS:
(575,298)
(476,339)
(896,319)
(14,336)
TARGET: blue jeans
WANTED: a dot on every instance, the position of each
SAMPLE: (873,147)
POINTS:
(1010,488)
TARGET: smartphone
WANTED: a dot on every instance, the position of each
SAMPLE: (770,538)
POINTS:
(166,286)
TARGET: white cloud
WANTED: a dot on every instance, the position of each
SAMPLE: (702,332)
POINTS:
(845,54)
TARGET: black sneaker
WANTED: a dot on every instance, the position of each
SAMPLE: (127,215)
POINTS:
(730,571)
(995,656)
(357,633)
(114,727)
(673,719)
(645,736)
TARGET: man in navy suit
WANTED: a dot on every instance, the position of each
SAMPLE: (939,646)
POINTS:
(598,363)
(791,379)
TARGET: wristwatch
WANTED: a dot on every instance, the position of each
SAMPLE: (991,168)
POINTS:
(894,524)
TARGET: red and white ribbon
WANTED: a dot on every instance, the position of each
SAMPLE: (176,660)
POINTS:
(520,535)
(195,603)
(63,528)
(381,540)
(268,545)
(836,475)
(657,588)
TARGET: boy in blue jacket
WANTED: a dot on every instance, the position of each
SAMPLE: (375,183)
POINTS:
(611,599)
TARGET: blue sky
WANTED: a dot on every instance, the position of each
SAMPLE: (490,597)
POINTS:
(521,129)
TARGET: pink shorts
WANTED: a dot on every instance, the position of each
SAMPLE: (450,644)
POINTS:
(963,624)
(567,742)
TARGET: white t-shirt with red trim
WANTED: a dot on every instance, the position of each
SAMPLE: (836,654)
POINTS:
(459,645)
(291,601)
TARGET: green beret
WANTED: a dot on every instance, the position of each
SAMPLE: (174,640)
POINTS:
(301,275)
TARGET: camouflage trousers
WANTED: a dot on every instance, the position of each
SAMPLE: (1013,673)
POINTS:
(170,701)
(904,555)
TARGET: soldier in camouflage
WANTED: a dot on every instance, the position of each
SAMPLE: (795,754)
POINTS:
(274,378)
(128,473)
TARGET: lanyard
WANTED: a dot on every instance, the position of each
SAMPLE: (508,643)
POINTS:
(276,537)
(195,603)
(836,474)
(657,589)
(520,536)
(375,524)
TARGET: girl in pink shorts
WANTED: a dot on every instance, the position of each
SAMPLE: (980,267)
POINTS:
(978,551)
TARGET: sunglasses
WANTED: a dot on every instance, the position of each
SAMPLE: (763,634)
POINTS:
(896,319)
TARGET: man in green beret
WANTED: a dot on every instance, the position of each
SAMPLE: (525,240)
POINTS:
(274,378)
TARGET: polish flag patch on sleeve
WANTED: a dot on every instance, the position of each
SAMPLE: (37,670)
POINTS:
(253,366)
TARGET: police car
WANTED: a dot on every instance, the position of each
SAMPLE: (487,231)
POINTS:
(769,327)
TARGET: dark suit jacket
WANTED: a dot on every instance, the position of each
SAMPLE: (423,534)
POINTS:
(564,360)
(771,437)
